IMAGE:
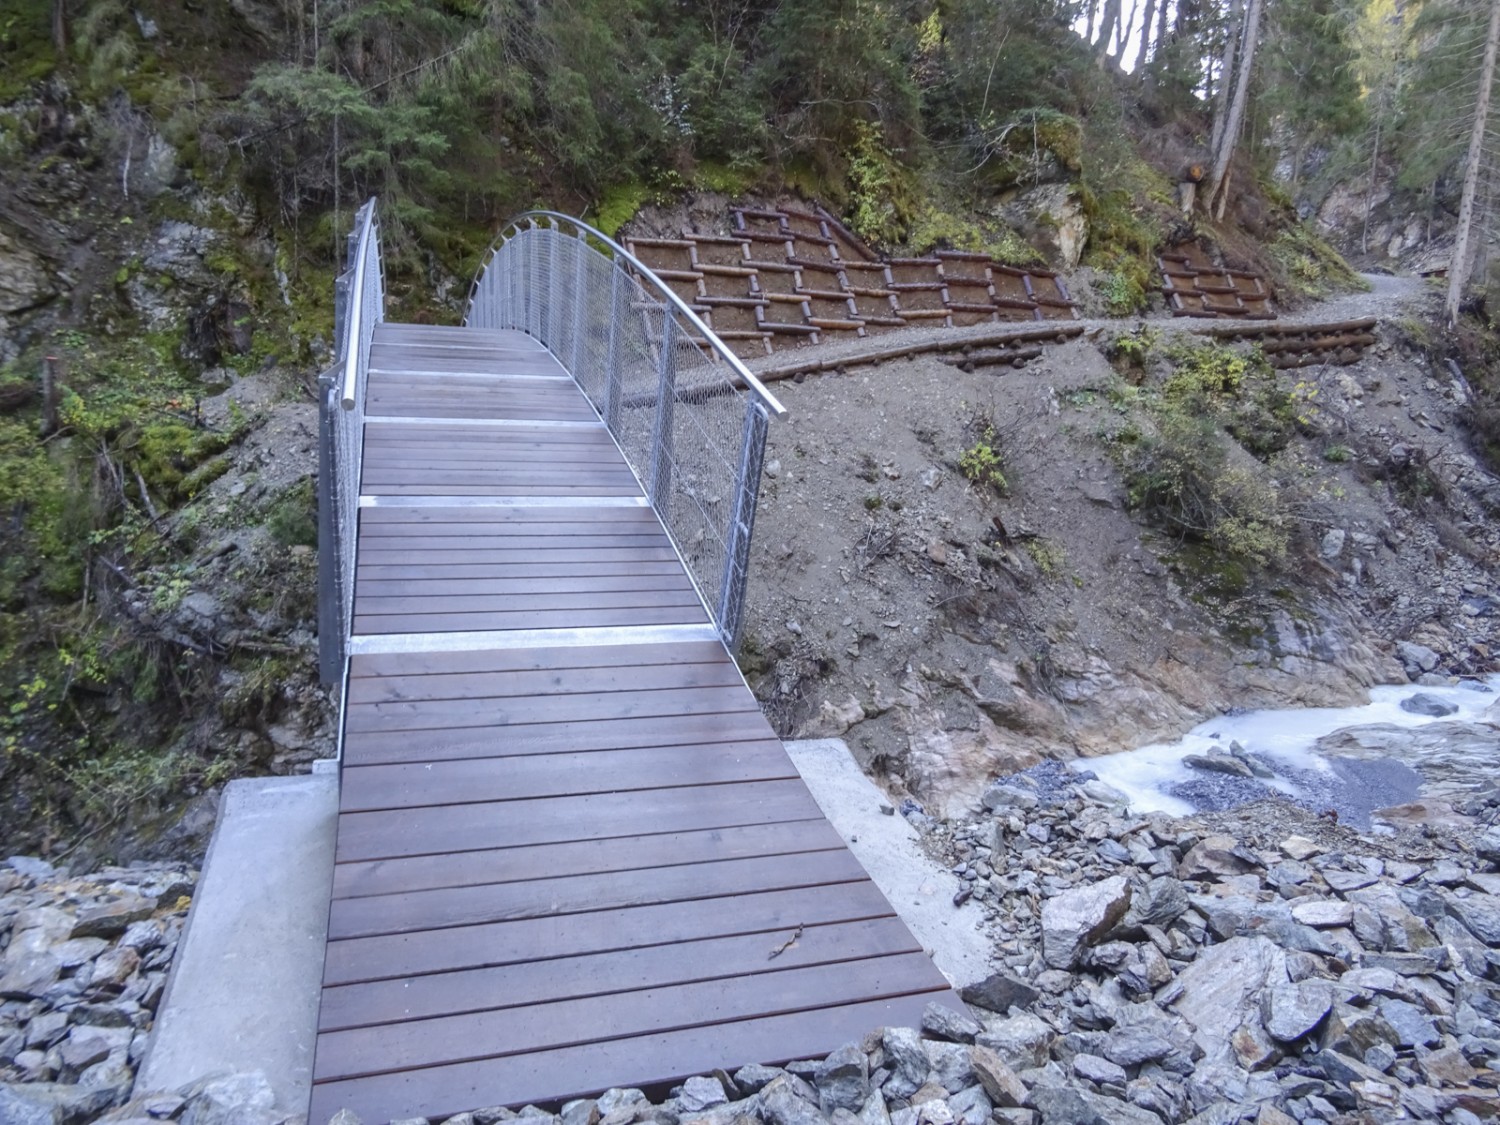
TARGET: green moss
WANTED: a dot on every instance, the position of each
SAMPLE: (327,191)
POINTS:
(1121,244)
(1034,146)
(725,179)
(292,519)
(619,205)
(1312,268)
(935,227)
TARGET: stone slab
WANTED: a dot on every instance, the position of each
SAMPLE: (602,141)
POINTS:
(920,890)
(243,994)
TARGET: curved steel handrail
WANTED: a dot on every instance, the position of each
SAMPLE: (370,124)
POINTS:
(350,392)
(646,275)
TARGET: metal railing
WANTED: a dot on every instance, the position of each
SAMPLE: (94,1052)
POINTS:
(359,305)
(688,415)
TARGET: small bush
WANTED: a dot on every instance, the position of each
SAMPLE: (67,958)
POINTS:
(982,464)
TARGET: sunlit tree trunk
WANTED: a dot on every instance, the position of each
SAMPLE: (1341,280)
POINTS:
(1217,198)
(1143,52)
(1458,269)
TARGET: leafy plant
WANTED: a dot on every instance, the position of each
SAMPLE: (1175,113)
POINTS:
(982,464)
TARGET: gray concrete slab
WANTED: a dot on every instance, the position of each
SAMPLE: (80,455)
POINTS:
(920,889)
(243,994)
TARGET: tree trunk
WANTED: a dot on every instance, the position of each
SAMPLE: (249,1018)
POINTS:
(60,29)
(1364,234)
(1108,22)
(1232,32)
(1458,269)
(1144,50)
(1218,185)
(1123,39)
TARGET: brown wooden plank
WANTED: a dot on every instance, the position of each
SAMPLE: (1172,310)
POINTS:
(378,747)
(441,908)
(503,488)
(456,828)
(528,619)
(451,686)
(558,526)
(531,659)
(588,1069)
(515,986)
(600,539)
(541,939)
(580,857)
(420,784)
(589,598)
(565,1023)
(520,587)
(437,713)
(491,557)
(417,572)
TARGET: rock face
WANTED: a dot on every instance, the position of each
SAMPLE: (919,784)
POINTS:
(24,283)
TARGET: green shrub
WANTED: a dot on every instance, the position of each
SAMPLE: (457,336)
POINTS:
(982,464)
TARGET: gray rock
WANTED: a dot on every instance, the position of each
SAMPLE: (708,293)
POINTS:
(82,1051)
(1223,985)
(1346,881)
(905,1058)
(843,1079)
(951,1066)
(1290,1011)
(72,1104)
(230,1099)
(1332,543)
(1323,913)
(111,919)
(1065,1105)
(1022,1040)
(1478,913)
(18,1109)
(999,1080)
(1133,1045)
(1160,903)
(1218,763)
(1430,705)
(943,1022)
(1411,1025)
(701,1093)
(1000,795)
(1094,1068)
(28,976)
(1000,993)
(31,867)
(970,1107)
(1416,658)
(1076,919)
(580,1111)
(754,1078)
(781,1105)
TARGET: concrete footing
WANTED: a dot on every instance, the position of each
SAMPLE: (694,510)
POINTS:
(243,994)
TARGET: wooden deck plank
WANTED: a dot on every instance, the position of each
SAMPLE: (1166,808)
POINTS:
(528,619)
(581,857)
(554,737)
(578,567)
(536,659)
(564,1023)
(542,939)
(500,824)
(450,687)
(426,714)
(591,1068)
(518,986)
(412,785)
(444,907)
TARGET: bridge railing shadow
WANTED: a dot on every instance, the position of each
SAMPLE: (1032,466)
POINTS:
(689,417)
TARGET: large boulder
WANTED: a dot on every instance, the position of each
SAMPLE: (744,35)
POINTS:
(1077,919)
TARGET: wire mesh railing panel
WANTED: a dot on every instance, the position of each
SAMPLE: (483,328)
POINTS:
(360,307)
(689,418)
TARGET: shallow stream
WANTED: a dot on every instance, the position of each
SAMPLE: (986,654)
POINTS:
(1155,778)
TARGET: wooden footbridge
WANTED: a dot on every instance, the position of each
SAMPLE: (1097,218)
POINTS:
(571,852)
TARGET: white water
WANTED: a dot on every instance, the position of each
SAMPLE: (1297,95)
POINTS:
(1284,735)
